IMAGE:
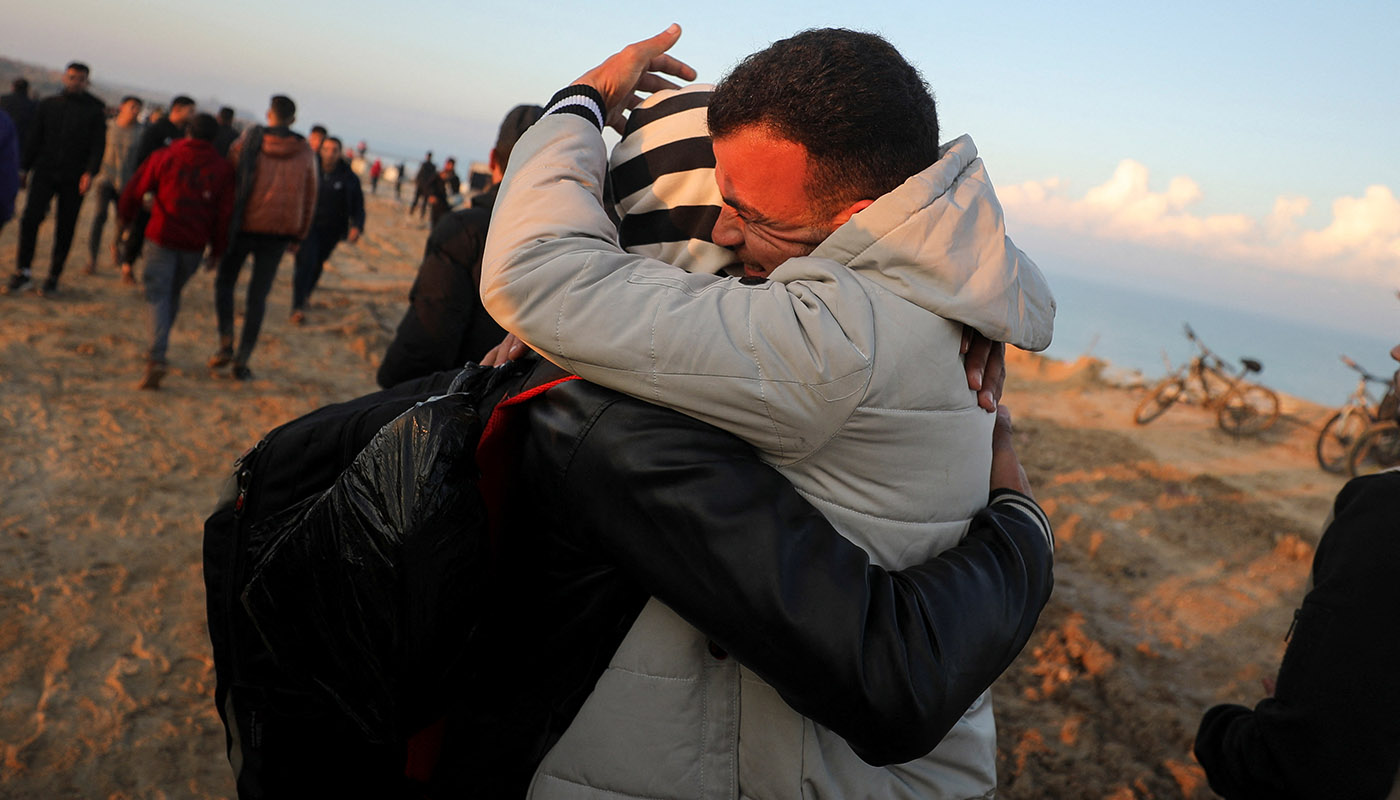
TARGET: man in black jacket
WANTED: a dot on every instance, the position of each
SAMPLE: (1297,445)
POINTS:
(445,325)
(20,106)
(61,154)
(339,216)
(426,171)
(1330,727)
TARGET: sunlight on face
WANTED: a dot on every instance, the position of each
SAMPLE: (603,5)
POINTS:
(766,217)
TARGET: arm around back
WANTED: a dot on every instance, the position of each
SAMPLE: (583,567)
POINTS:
(888,660)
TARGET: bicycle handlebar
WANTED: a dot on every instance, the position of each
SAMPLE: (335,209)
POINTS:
(1364,373)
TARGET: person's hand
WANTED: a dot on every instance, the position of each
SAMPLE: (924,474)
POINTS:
(1007,472)
(508,350)
(985,363)
(354,236)
(84,182)
(638,67)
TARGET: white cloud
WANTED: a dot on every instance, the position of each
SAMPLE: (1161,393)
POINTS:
(1361,243)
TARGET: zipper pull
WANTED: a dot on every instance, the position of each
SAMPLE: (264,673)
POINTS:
(1297,612)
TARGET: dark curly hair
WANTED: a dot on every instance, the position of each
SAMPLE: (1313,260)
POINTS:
(864,114)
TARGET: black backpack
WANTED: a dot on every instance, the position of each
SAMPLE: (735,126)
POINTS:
(344,568)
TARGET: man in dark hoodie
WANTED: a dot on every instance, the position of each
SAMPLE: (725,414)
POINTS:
(9,167)
(426,171)
(61,155)
(273,206)
(161,133)
(20,106)
(445,325)
(193,188)
(340,216)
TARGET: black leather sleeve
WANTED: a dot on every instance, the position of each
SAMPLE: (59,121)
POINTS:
(887,659)
(1330,729)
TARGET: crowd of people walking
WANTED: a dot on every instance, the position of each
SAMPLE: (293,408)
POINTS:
(187,187)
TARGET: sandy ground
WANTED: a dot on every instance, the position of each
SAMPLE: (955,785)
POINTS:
(1182,551)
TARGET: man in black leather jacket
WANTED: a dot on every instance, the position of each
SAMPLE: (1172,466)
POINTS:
(641,501)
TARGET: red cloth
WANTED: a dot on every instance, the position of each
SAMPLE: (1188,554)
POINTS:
(193,186)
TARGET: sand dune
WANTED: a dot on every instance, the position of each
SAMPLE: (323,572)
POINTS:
(1182,551)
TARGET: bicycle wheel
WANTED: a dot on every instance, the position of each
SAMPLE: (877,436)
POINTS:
(1377,449)
(1338,435)
(1247,410)
(1166,392)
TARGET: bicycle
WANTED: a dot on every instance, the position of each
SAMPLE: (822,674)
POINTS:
(1343,429)
(1377,449)
(1242,407)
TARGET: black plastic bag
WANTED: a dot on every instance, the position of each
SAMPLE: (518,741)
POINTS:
(373,589)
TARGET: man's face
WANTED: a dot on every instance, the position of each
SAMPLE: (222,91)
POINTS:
(330,155)
(179,115)
(74,81)
(315,139)
(126,115)
(767,215)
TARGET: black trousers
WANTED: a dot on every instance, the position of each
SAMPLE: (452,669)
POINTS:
(42,190)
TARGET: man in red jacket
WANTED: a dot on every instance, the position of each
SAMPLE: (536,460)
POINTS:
(193,189)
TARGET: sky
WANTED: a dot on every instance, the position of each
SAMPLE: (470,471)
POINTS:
(1242,152)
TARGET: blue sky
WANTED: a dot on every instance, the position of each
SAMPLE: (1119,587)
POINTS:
(1245,149)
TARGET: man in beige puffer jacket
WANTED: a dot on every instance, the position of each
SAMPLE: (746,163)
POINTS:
(866,249)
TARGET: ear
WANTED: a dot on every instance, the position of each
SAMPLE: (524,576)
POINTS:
(849,211)
(498,170)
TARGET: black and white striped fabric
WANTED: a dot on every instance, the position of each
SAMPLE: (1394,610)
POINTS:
(663,179)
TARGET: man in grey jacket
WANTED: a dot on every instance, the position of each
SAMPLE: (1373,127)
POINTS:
(879,243)
(118,165)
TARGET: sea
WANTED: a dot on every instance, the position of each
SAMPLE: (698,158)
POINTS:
(1135,331)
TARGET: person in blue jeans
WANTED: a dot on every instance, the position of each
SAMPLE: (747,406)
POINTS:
(193,189)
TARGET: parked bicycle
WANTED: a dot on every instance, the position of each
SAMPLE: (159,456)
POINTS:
(1343,429)
(1379,447)
(1241,406)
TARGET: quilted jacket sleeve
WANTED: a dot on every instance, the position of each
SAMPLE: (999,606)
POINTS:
(777,366)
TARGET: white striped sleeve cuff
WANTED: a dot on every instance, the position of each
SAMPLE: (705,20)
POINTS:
(1010,497)
(580,100)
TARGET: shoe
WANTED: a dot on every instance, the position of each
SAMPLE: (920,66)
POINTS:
(18,283)
(298,317)
(222,358)
(49,289)
(128,275)
(240,372)
(155,370)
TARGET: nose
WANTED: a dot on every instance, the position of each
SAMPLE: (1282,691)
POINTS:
(727,231)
